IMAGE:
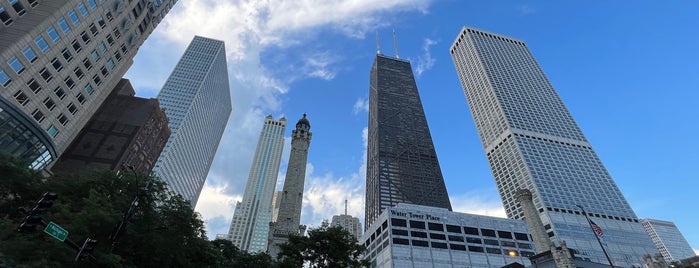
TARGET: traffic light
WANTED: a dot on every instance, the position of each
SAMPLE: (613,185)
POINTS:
(86,249)
(29,224)
(44,203)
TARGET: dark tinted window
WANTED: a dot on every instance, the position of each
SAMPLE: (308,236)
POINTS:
(419,243)
(504,234)
(491,242)
(436,226)
(456,238)
(399,222)
(521,236)
(457,247)
(493,250)
(475,249)
(471,230)
(473,240)
(438,236)
(453,229)
(399,232)
(400,241)
(418,234)
(384,225)
(417,224)
(488,232)
(439,245)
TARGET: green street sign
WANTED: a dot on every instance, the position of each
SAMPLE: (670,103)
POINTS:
(56,231)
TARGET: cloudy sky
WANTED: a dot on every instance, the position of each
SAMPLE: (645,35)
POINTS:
(627,73)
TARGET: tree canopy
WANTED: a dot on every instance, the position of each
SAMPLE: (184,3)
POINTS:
(324,246)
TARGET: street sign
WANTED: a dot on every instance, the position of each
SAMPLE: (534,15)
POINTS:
(56,231)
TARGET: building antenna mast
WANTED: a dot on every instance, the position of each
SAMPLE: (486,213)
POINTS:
(345,206)
(395,43)
(378,44)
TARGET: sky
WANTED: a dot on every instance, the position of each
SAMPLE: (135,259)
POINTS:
(627,73)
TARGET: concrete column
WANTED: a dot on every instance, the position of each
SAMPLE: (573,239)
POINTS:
(531,217)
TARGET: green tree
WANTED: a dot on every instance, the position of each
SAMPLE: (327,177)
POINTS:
(324,246)
(163,232)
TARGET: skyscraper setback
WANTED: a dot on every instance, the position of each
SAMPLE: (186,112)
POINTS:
(197,101)
(250,224)
(532,142)
(402,165)
(59,60)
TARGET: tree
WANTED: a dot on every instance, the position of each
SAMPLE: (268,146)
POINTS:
(324,246)
(163,232)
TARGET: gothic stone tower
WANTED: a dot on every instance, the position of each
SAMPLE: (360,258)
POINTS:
(289,217)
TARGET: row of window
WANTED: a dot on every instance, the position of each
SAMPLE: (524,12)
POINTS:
(442,245)
(458,229)
(17,7)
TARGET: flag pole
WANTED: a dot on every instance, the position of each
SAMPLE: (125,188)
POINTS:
(596,236)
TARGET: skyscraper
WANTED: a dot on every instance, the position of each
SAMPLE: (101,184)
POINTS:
(197,101)
(250,224)
(532,142)
(402,165)
(669,240)
(59,60)
(289,217)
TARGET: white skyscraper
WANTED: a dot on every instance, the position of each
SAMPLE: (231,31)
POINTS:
(667,237)
(197,101)
(250,224)
(59,60)
(532,142)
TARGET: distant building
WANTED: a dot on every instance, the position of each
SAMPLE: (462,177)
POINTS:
(250,223)
(402,165)
(419,236)
(289,218)
(59,62)
(532,142)
(197,100)
(349,223)
(126,133)
(669,240)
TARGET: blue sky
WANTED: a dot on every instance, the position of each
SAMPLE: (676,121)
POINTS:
(628,74)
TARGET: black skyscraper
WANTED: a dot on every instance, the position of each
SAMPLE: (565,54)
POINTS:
(402,165)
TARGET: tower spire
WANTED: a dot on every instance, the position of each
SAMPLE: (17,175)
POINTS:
(345,206)
(378,44)
(395,43)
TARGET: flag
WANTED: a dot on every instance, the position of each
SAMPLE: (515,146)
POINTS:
(596,229)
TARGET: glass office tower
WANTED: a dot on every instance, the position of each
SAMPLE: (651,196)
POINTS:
(59,60)
(197,101)
(531,141)
(402,165)
(669,240)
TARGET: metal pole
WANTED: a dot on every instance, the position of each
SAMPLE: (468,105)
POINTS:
(595,234)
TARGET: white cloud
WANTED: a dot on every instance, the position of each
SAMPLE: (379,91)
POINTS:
(475,202)
(362,105)
(425,61)
(696,252)
(525,9)
(249,28)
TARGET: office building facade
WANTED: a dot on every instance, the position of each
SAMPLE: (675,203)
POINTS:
(197,101)
(418,236)
(126,133)
(349,223)
(669,240)
(59,60)
(402,165)
(289,218)
(532,142)
(251,218)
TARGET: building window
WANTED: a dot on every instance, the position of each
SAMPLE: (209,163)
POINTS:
(4,16)
(85,37)
(48,102)
(81,98)
(95,55)
(110,64)
(101,22)
(5,79)
(21,98)
(64,25)
(56,64)
(92,4)
(110,40)
(87,64)
(52,130)
(59,93)
(102,47)
(97,80)
(104,71)
(63,119)
(17,6)
(82,9)
(53,34)
(73,17)
(89,89)
(76,46)
(72,108)
(67,55)
(16,65)
(93,29)
(29,54)
(46,75)
(69,82)
(34,86)
(78,73)
(117,55)
(41,43)
(38,115)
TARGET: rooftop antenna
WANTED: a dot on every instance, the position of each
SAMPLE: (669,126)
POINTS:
(378,44)
(345,206)
(395,43)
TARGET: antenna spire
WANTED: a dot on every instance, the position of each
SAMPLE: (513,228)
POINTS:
(378,44)
(395,43)
(345,206)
